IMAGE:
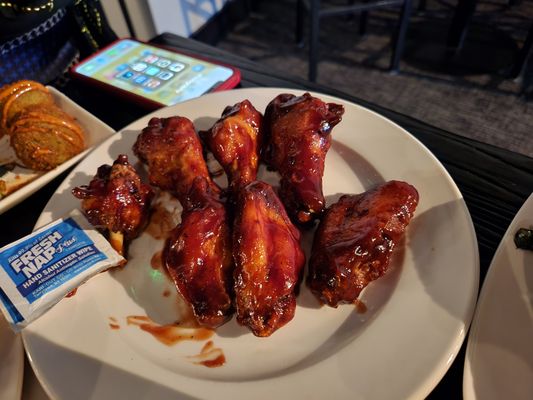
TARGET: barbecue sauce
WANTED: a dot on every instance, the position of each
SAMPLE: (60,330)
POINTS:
(113,324)
(210,356)
(169,334)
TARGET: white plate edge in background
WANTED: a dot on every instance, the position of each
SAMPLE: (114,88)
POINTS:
(12,367)
(487,290)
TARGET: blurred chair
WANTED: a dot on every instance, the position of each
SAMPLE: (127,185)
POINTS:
(316,12)
(461,20)
(522,59)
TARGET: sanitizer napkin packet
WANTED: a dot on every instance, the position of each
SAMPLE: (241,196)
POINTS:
(40,269)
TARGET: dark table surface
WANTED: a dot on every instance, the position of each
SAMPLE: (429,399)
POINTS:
(494,182)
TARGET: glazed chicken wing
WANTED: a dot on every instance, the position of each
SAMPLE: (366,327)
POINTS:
(268,260)
(235,141)
(173,152)
(116,201)
(297,135)
(355,239)
(198,256)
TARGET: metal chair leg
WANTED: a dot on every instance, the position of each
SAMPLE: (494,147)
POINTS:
(400,36)
(363,22)
(314,27)
(299,34)
(460,22)
(363,19)
(523,55)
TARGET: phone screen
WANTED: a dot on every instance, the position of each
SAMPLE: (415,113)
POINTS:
(157,74)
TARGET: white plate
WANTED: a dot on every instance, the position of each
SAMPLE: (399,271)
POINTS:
(96,132)
(400,348)
(12,365)
(499,355)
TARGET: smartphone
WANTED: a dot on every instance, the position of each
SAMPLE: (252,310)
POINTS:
(152,76)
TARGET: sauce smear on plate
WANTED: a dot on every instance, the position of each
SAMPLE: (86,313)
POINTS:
(169,334)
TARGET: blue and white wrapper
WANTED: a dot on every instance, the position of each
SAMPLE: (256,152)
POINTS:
(40,269)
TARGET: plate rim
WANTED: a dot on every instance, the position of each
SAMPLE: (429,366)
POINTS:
(494,267)
(20,351)
(440,369)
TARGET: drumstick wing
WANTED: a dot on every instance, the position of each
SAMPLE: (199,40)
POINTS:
(297,139)
(172,150)
(198,256)
(268,260)
(235,141)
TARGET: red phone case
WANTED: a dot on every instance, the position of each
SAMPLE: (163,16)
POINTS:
(229,83)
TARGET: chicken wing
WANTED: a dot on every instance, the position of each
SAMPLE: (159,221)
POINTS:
(235,141)
(116,201)
(297,135)
(355,239)
(268,260)
(198,256)
(173,152)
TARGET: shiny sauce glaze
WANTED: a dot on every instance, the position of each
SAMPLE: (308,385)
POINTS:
(198,256)
(298,137)
(172,150)
(116,200)
(269,260)
(235,141)
(354,242)
(210,356)
(169,334)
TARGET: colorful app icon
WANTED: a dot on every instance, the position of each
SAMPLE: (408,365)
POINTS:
(198,68)
(165,75)
(150,59)
(145,53)
(176,67)
(122,67)
(128,75)
(140,79)
(163,63)
(152,71)
(151,84)
(139,67)
(101,60)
